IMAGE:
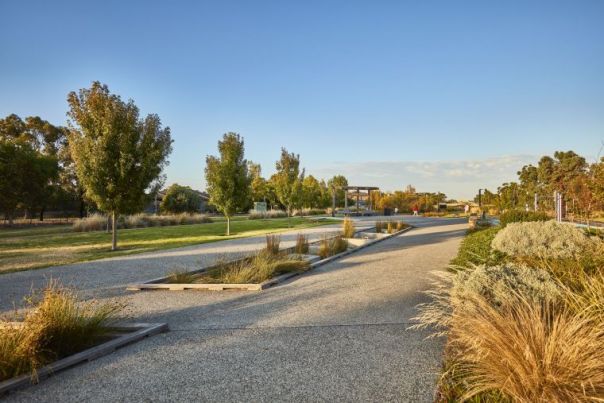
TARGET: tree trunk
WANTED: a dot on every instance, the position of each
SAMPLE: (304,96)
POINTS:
(228,232)
(10,219)
(114,231)
(42,213)
(82,204)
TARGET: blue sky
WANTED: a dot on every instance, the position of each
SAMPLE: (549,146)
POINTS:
(448,96)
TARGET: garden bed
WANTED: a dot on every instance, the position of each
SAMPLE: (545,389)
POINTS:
(194,280)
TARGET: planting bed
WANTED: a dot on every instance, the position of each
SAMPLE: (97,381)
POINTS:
(122,335)
(195,279)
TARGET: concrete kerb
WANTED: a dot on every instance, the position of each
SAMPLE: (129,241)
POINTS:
(136,332)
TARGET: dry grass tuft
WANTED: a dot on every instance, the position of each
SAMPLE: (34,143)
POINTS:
(348,229)
(260,267)
(379,227)
(301,247)
(272,244)
(55,326)
(529,352)
(332,246)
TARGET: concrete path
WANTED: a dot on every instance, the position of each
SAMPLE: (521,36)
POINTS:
(108,277)
(338,333)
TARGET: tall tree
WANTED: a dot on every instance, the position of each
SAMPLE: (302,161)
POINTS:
(288,180)
(228,181)
(311,192)
(336,183)
(116,153)
(258,191)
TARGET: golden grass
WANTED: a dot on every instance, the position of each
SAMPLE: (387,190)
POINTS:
(301,247)
(260,267)
(332,246)
(55,326)
(272,244)
(348,229)
(529,352)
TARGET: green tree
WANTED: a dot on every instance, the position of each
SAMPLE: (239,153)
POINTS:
(258,183)
(116,154)
(24,174)
(181,199)
(228,181)
(337,182)
(288,180)
(311,192)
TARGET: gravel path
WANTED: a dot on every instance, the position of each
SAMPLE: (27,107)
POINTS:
(108,277)
(338,333)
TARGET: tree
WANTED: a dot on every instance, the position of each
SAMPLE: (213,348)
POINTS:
(46,140)
(258,190)
(24,174)
(228,182)
(336,183)
(311,192)
(288,180)
(116,153)
(181,199)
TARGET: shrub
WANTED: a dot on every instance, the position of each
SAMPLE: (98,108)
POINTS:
(181,199)
(308,211)
(301,247)
(547,240)
(94,222)
(511,216)
(496,282)
(379,227)
(55,326)
(258,215)
(272,244)
(332,246)
(98,222)
(348,229)
(390,228)
(476,249)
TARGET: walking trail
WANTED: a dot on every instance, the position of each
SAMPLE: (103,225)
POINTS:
(339,332)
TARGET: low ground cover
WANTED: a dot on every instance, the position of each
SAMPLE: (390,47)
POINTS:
(55,325)
(34,248)
(527,326)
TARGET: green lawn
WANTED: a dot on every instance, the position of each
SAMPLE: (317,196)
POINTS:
(34,248)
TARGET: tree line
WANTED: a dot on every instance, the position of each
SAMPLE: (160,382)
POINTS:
(581,183)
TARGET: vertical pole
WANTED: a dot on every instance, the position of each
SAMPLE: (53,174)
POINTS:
(346,199)
(333,202)
(358,200)
(536,202)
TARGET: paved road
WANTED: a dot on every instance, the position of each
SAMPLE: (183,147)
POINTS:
(338,333)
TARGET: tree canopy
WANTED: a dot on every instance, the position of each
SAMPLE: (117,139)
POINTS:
(181,199)
(228,181)
(288,180)
(116,153)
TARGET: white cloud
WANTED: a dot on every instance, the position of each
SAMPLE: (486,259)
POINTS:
(457,178)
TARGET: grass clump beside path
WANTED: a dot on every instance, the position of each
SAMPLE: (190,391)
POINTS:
(55,326)
(34,248)
(253,270)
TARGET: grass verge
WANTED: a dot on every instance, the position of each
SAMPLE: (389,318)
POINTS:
(35,248)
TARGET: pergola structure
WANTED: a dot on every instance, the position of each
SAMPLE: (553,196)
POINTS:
(359,193)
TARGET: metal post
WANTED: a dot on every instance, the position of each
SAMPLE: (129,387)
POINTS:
(536,202)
